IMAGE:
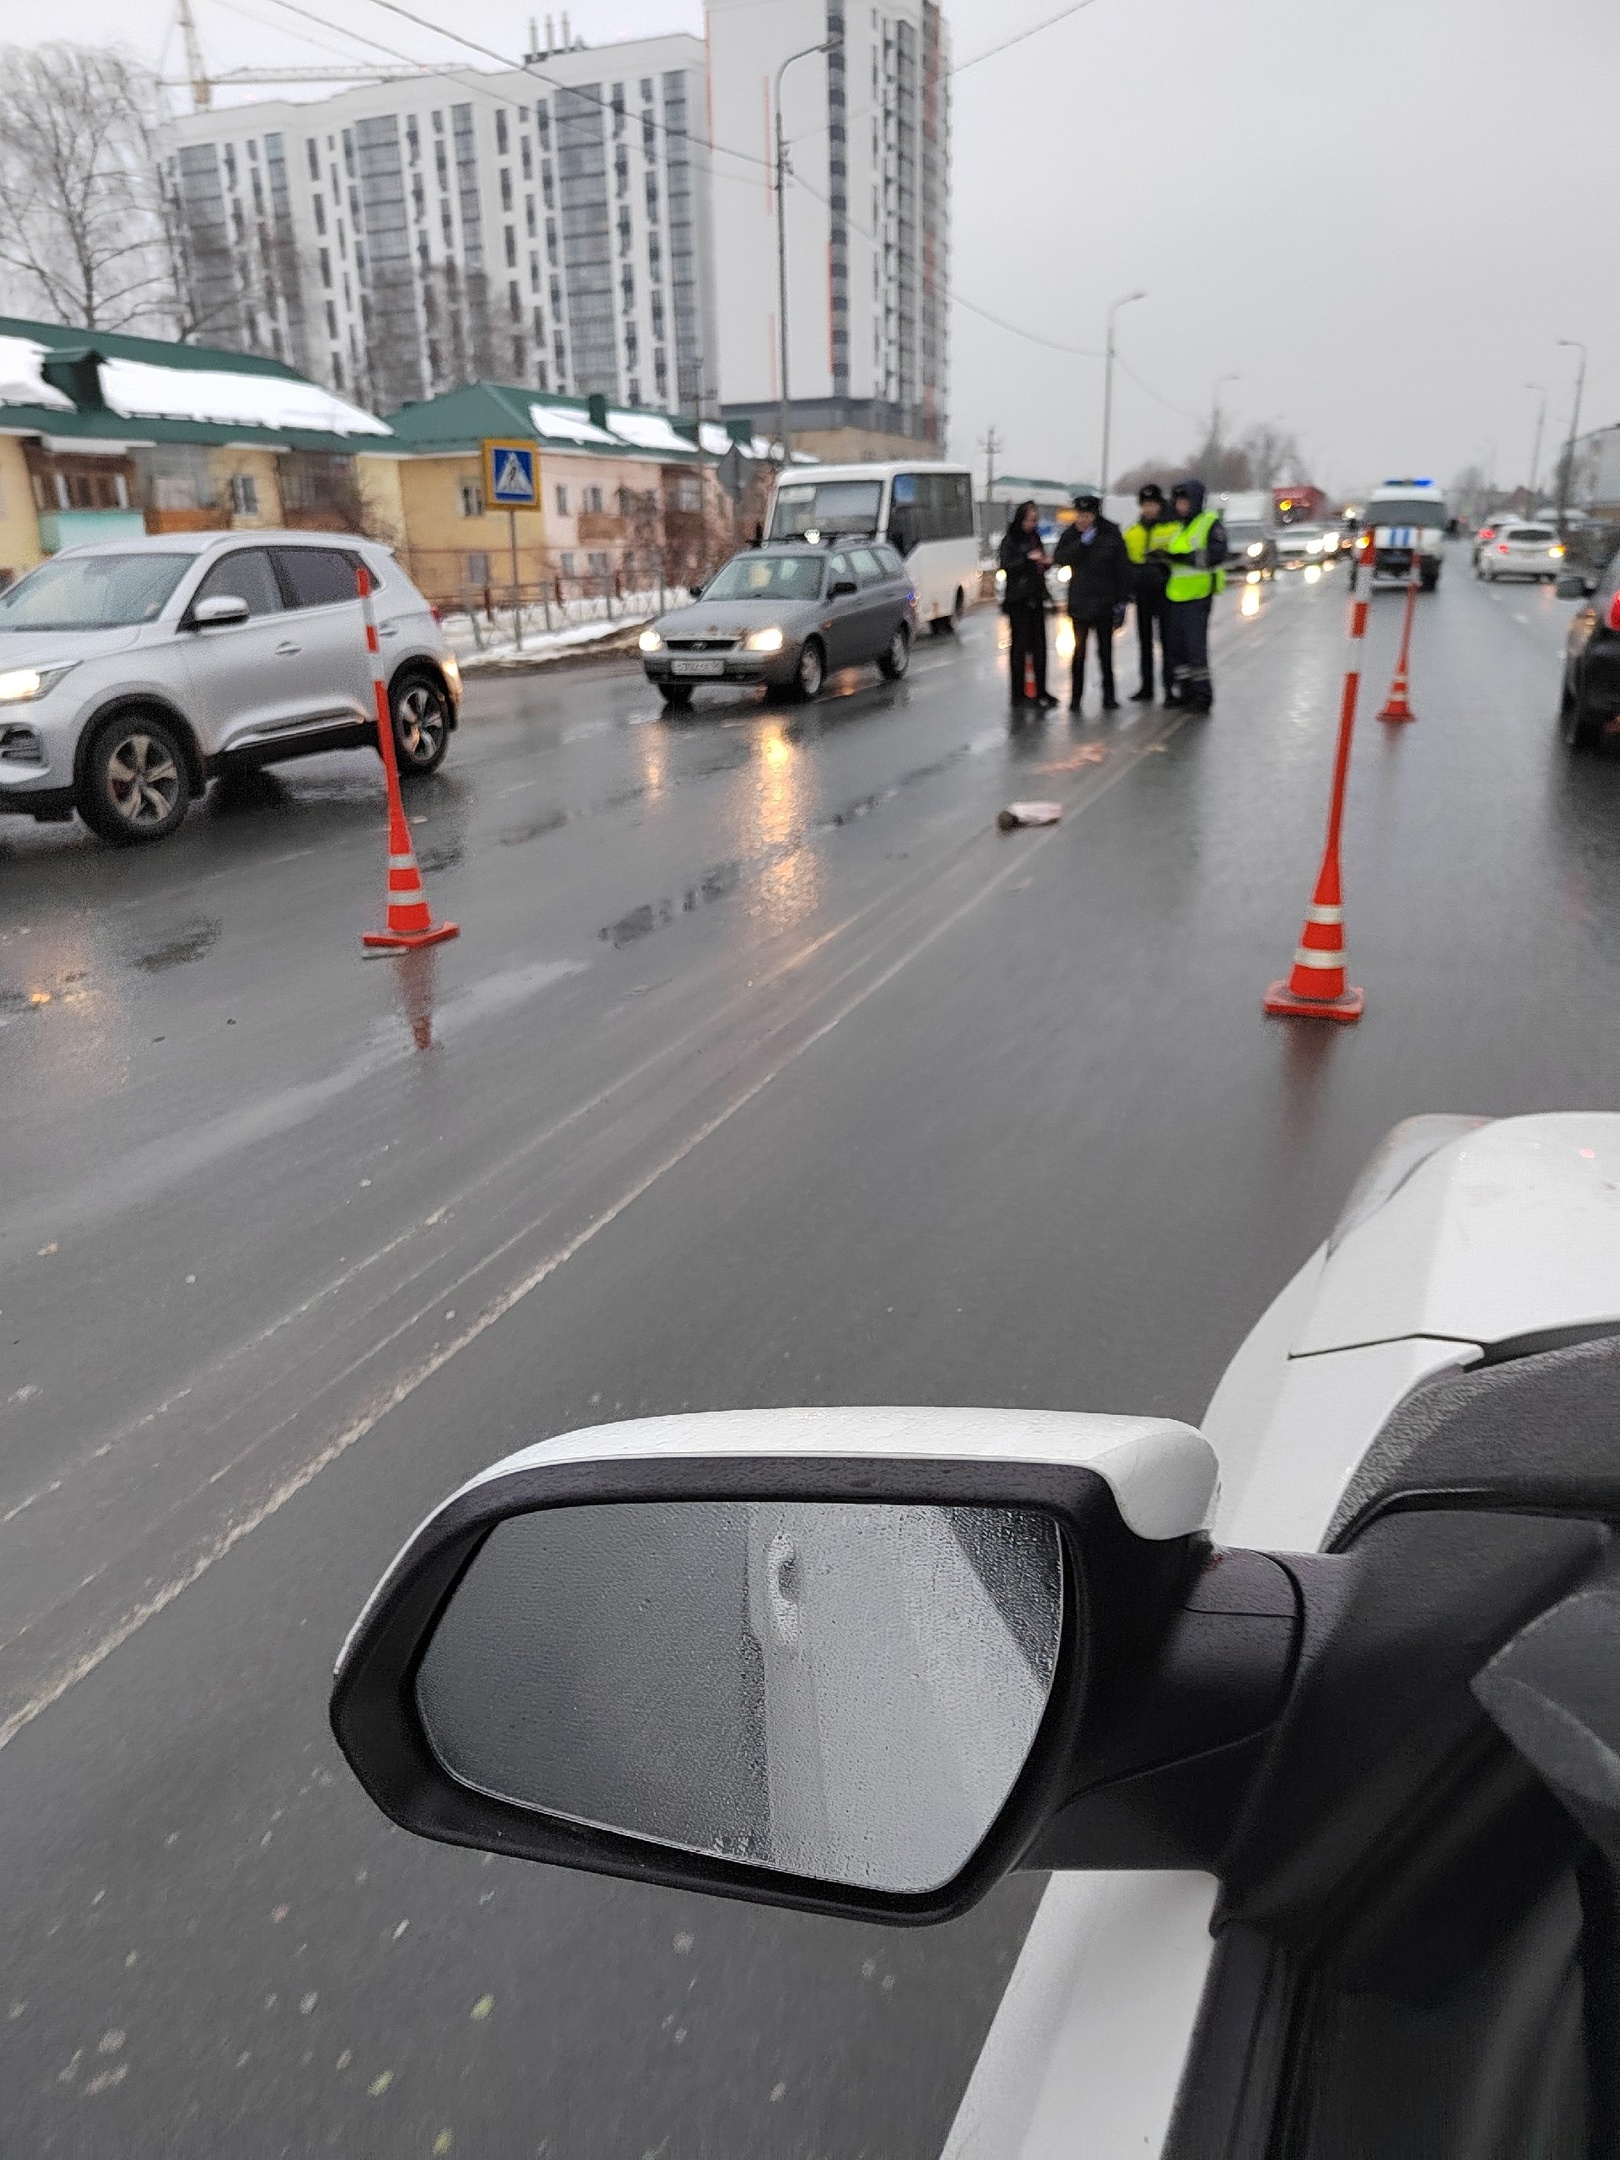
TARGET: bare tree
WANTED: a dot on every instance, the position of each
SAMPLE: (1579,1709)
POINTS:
(86,236)
(1273,453)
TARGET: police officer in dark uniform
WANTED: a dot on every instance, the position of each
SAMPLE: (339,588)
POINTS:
(1093,552)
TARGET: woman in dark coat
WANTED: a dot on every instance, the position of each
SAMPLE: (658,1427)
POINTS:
(1024,566)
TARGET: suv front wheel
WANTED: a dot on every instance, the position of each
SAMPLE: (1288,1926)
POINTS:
(421,709)
(135,787)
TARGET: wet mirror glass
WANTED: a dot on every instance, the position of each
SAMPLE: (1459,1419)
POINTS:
(841,1691)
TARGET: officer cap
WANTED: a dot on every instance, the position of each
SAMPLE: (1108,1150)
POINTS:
(1151,493)
(1088,502)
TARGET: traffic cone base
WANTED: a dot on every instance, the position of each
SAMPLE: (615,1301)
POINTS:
(1287,1004)
(1398,707)
(410,940)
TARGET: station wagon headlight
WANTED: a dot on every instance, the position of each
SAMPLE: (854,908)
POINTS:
(650,641)
(1255,547)
(770,640)
(18,685)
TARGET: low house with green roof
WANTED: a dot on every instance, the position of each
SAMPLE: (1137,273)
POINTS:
(628,497)
(103,435)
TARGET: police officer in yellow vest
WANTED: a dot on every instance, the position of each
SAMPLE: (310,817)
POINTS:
(1143,541)
(1196,548)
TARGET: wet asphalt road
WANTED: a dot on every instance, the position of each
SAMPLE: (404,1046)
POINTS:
(764,1071)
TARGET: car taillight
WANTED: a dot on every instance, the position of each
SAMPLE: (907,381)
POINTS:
(1612,618)
(1365,543)
(436,613)
(1501,547)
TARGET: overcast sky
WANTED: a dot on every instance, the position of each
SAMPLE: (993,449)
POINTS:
(1379,217)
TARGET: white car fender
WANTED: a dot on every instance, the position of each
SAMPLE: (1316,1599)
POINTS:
(1460,1235)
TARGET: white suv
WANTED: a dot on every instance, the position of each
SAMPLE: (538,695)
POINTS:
(133,672)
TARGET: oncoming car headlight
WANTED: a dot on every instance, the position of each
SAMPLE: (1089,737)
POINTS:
(19,685)
(650,641)
(770,640)
(1255,547)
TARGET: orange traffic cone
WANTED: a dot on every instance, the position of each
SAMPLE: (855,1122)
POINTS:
(1029,678)
(410,920)
(1317,987)
(1397,706)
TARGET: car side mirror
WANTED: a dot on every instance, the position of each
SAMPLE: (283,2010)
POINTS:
(841,586)
(855,1661)
(1572,586)
(216,609)
(696,591)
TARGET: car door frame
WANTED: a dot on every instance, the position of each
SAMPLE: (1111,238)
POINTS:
(334,669)
(879,606)
(225,726)
(840,623)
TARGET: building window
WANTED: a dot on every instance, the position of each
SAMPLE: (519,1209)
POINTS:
(326,268)
(601,564)
(528,159)
(528,214)
(635,390)
(472,498)
(534,273)
(562,500)
(541,375)
(592,498)
(244,495)
(542,122)
(312,152)
(514,305)
(413,137)
(319,207)
(686,492)
(477,569)
(568,562)
(520,358)
(506,187)
(502,140)
(331,321)
(438,123)
(511,247)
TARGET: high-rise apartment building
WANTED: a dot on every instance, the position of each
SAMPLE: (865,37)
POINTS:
(548,225)
(604,220)
(867,214)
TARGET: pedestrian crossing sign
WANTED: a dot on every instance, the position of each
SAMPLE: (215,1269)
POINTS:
(511,476)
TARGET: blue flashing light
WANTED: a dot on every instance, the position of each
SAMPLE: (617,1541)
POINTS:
(1408,483)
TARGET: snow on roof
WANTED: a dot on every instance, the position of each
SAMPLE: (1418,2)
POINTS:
(568,423)
(221,398)
(649,431)
(21,382)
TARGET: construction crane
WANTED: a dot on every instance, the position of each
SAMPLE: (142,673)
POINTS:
(202,90)
(202,85)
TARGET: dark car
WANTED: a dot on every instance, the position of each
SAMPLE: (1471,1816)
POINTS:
(1590,707)
(787,615)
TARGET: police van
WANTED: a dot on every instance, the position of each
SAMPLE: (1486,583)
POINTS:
(924,511)
(1401,519)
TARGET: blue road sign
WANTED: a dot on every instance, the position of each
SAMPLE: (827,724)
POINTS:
(511,476)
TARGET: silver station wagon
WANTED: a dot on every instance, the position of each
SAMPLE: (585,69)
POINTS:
(787,616)
(132,672)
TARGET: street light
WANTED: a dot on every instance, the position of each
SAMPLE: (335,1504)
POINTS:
(1108,387)
(1535,455)
(1215,410)
(1568,471)
(827,45)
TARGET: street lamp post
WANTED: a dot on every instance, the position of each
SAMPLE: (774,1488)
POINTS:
(1215,410)
(807,53)
(1108,387)
(1567,474)
(1535,454)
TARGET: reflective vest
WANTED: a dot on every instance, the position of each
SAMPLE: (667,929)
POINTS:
(1139,538)
(1184,540)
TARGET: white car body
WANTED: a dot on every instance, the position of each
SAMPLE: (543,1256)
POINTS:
(1522,551)
(1505,1234)
(1301,544)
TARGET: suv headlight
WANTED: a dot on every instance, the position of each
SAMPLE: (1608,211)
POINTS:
(770,640)
(650,641)
(18,685)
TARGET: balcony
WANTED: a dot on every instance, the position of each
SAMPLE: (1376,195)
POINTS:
(599,525)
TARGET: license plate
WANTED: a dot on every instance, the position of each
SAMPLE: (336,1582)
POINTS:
(698,667)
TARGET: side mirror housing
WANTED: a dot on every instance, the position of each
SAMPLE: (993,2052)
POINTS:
(840,587)
(696,591)
(218,608)
(1572,586)
(855,1661)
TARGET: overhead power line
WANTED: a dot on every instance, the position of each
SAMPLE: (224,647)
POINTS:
(1018,37)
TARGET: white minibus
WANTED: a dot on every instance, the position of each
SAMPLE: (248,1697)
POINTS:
(925,512)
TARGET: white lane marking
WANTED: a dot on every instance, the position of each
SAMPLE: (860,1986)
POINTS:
(358,1427)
